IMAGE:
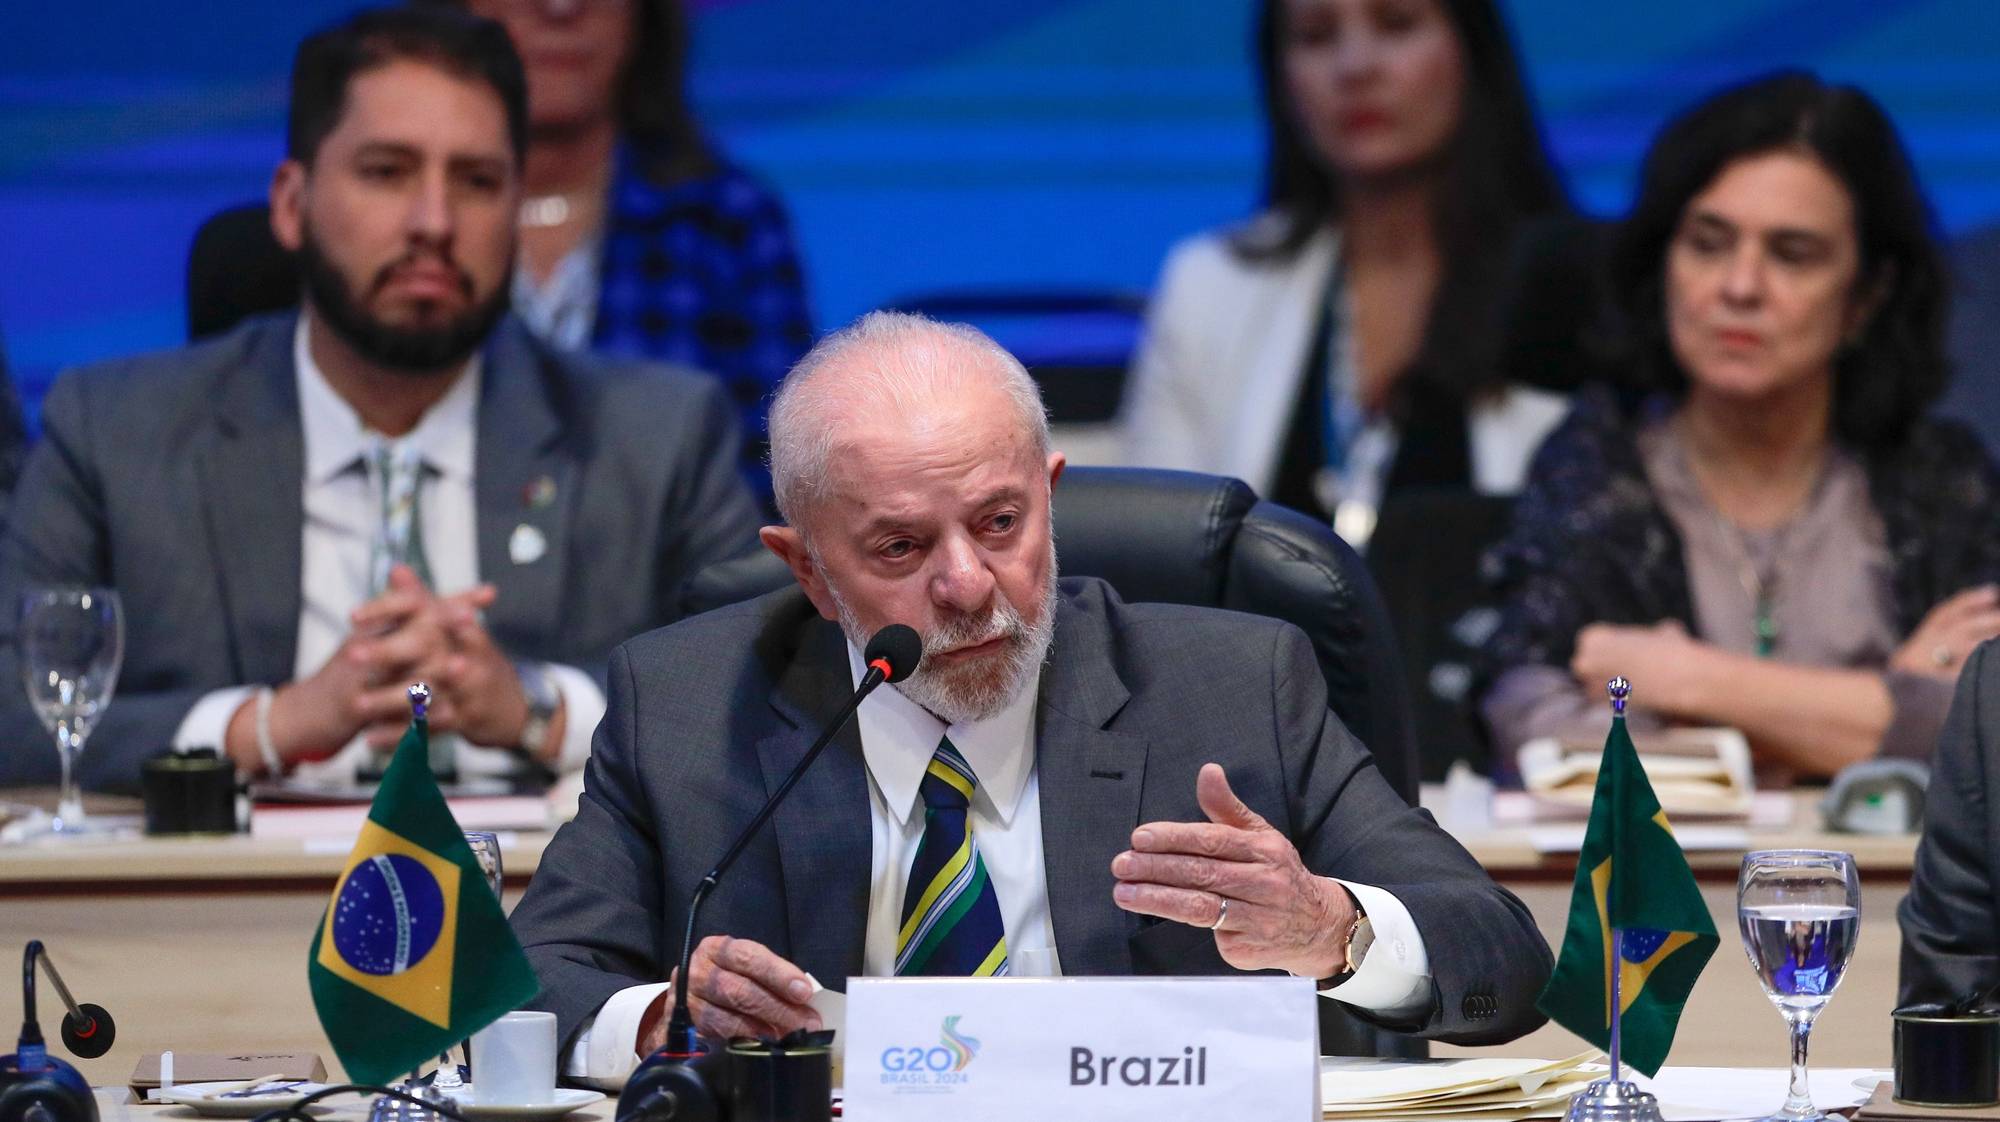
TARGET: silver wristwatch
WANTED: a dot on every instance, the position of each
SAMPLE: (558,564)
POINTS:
(543,701)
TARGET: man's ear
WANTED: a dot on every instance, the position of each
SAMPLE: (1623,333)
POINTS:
(790,546)
(1056,465)
(288,203)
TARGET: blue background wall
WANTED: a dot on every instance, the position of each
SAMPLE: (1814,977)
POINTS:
(919,144)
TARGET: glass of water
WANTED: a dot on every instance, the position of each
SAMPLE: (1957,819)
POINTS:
(72,642)
(1800,912)
(485,846)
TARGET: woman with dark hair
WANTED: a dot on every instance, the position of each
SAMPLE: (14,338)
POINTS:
(1766,533)
(637,236)
(1340,344)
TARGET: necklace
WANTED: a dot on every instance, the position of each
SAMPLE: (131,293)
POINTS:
(540,212)
(1759,581)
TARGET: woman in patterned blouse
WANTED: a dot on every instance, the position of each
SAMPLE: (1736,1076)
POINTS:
(1765,531)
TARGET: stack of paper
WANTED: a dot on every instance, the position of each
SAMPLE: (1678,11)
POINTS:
(1472,1090)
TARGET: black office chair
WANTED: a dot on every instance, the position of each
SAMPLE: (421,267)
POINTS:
(237,269)
(1425,557)
(1178,537)
(1182,538)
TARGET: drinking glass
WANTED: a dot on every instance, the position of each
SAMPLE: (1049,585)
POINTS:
(485,847)
(71,642)
(1800,913)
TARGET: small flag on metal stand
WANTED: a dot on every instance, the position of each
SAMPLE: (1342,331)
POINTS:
(413,954)
(1639,933)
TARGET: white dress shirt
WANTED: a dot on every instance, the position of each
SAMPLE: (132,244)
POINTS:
(342,517)
(898,738)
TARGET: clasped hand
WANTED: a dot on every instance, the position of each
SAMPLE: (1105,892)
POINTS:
(407,634)
(1278,913)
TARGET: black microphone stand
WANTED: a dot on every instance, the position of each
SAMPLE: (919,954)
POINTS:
(674,1084)
(36,1084)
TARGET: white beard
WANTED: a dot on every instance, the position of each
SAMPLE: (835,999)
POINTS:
(963,694)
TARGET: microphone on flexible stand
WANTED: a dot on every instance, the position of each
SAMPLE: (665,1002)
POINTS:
(34,1085)
(676,1083)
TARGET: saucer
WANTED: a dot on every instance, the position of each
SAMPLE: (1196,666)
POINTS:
(566,1100)
(191,1096)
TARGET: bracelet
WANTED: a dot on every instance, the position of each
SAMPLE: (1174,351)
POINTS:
(274,766)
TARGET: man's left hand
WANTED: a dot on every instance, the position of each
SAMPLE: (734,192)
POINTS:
(480,682)
(1279,915)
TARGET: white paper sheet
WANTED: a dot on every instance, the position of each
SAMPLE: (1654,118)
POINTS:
(1706,1094)
(1392,1082)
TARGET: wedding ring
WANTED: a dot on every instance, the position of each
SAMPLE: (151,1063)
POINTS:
(1941,654)
(1221,914)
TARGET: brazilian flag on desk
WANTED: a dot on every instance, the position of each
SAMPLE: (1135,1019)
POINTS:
(414,953)
(1631,876)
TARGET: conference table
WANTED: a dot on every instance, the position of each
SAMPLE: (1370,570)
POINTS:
(1686,1094)
(199,944)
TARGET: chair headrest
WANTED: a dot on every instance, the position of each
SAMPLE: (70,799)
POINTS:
(237,269)
(1155,535)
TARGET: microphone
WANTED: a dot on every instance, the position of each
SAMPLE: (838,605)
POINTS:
(34,1084)
(667,1085)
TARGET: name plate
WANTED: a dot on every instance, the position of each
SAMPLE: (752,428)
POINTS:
(1098,1048)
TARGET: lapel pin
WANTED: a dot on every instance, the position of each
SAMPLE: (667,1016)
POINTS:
(526,545)
(542,492)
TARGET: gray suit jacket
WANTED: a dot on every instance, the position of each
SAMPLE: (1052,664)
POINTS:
(706,718)
(176,478)
(1951,918)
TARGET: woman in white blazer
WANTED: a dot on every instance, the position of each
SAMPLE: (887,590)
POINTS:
(1340,345)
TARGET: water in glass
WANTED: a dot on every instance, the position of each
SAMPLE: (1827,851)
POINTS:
(1799,911)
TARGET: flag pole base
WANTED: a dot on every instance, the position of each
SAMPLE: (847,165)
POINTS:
(1610,1100)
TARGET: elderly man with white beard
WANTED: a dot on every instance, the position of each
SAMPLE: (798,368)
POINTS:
(1116,788)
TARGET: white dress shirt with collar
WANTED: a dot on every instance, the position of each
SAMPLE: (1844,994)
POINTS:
(342,514)
(898,738)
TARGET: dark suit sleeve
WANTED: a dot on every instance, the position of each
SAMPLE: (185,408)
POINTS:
(1487,959)
(56,535)
(710,514)
(1951,934)
(592,914)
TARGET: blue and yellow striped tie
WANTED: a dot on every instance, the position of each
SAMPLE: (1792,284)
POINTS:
(951,918)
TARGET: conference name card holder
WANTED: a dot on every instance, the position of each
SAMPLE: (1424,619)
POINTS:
(1108,1049)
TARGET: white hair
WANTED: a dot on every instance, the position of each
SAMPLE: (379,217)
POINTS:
(884,362)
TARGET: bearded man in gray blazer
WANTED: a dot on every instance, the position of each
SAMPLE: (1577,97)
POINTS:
(1147,789)
(396,483)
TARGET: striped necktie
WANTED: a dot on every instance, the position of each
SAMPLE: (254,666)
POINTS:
(951,917)
(397,472)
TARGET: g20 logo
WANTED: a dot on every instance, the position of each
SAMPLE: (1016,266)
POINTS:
(953,1052)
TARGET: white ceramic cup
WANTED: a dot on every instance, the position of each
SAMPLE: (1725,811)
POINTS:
(514,1060)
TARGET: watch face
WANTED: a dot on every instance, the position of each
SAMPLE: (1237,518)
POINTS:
(1359,941)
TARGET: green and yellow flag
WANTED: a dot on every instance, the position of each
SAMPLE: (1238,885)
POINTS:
(414,953)
(1633,878)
